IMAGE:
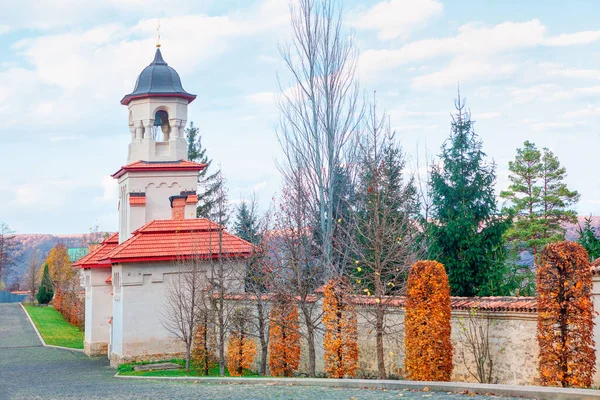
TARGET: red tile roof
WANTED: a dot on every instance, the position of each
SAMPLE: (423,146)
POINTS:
(514,304)
(92,260)
(518,304)
(167,240)
(180,165)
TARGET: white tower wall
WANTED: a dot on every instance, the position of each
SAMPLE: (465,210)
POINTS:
(142,114)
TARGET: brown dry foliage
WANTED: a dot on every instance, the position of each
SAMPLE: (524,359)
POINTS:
(340,340)
(284,338)
(427,323)
(241,350)
(565,316)
(203,350)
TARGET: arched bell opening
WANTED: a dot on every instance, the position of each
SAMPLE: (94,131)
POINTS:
(161,129)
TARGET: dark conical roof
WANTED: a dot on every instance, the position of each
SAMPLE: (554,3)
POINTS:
(158,79)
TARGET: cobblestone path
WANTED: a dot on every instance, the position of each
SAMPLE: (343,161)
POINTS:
(30,371)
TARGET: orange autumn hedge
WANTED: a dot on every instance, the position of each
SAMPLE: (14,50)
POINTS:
(284,338)
(203,354)
(340,339)
(565,316)
(427,323)
(241,350)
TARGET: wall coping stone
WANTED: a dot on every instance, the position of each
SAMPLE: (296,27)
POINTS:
(538,392)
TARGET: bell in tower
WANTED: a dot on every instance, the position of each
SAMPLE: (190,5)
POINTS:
(157,114)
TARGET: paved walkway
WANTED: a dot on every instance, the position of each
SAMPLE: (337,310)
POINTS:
(30,371)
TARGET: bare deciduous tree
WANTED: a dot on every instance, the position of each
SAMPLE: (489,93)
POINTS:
(258,279)
(184,300)
(297,269)
(223,273)
(474,333)
(320,112)
(32,275)
(8,247)
(384,240)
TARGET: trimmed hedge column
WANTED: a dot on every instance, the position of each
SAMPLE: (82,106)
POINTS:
(427,323)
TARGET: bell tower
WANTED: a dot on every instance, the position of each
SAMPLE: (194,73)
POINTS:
(158,182)
(157,114)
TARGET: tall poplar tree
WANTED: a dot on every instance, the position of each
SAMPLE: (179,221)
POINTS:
(208,184)
(539,199)
(466,232)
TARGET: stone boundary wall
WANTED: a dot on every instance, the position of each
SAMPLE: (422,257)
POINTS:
(512,338)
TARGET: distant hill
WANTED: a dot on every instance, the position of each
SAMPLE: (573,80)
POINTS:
(28,243)
(572,229)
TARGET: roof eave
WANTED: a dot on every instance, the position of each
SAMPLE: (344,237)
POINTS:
(128,98)
(126,260)
(124,170)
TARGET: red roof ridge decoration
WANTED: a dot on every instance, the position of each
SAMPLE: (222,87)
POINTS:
(93,259)
(175,165)
(170,240)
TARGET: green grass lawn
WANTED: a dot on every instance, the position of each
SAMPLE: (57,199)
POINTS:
(127,369)
(53,328)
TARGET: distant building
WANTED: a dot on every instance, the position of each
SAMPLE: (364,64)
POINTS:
(125,276)
(76,253)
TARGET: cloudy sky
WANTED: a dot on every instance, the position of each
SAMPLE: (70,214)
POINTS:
(529,72)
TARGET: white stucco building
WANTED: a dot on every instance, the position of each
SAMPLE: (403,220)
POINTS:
(125,276)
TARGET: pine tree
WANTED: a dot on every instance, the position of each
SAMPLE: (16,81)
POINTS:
(538,198)
(46,291)
(466,232)
(208,183)
(589,238)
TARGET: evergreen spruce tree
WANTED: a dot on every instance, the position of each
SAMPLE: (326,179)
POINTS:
(208,184)
(247,227)
(246,224)
(46,291)
(589,238)
(539,199)
(466,232)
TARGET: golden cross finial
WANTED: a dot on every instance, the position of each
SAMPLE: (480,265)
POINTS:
(158,34)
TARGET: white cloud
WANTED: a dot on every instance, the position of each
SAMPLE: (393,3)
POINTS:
(550,92)
(561,71)
(426,114)
(63,138)
(569,39)
(395,18)
(261,98)
(486,115)
(111,192)
(589,111)
(463,69)
(79,73)
(551,126)
(473,39)
(4,29)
